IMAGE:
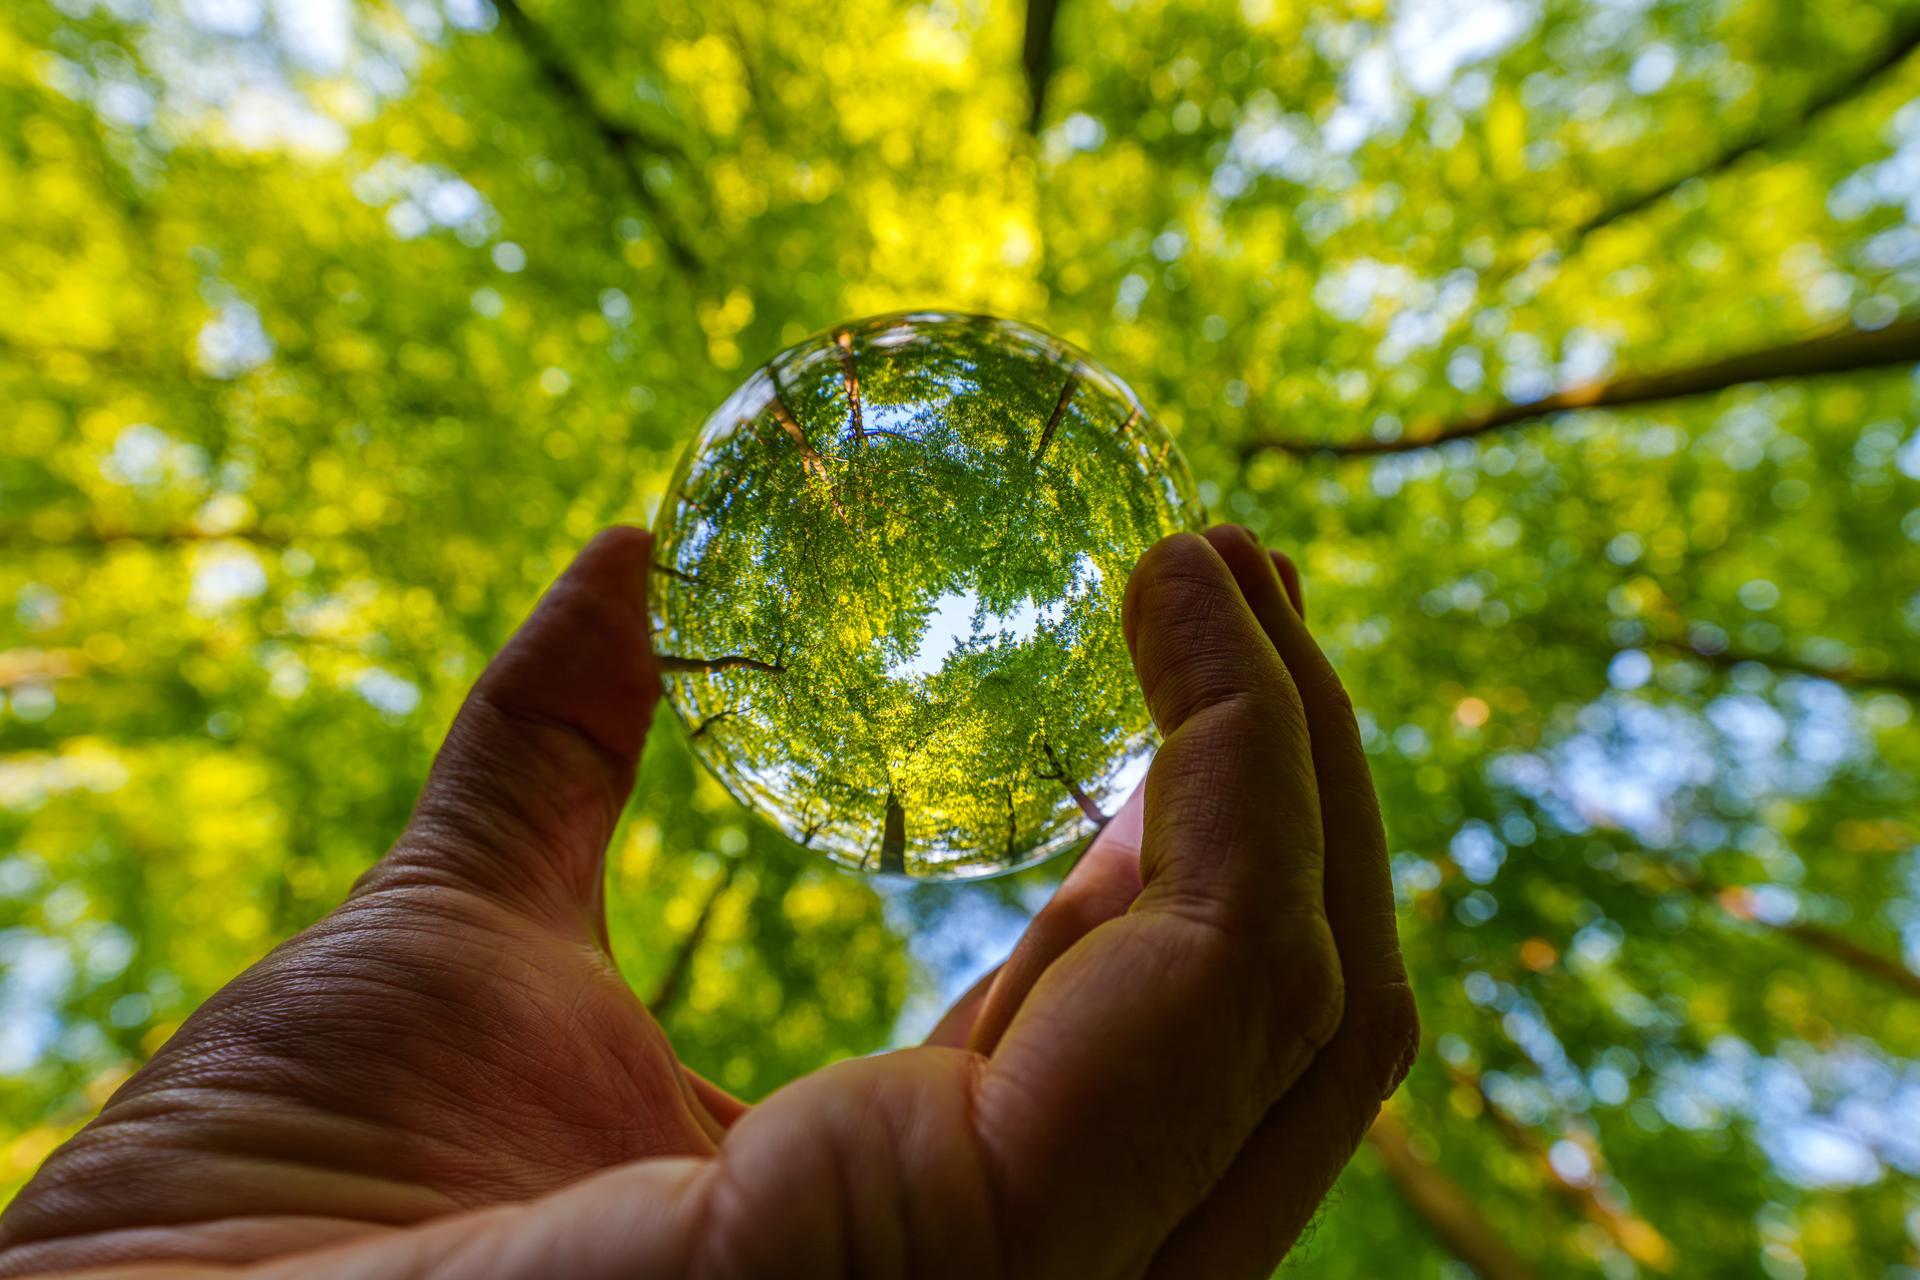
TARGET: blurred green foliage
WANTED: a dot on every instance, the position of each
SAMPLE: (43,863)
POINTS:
(327,333)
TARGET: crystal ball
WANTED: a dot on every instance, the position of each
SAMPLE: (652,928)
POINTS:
(887,586)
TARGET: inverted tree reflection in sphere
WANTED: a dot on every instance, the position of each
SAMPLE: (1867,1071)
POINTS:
(887,592)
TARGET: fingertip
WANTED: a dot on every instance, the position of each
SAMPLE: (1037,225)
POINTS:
(1178,557)
(1254,568)
(618,547)
(631,534)
(582,659)
(1191,625)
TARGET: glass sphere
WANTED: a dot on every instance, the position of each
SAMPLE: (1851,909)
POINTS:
(887,587)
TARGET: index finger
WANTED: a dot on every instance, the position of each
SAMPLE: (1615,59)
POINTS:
(1147,1053)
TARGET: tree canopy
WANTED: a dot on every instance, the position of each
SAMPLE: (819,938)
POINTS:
(1568,347)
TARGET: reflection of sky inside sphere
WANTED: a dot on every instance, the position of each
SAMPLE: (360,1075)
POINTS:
(889,577)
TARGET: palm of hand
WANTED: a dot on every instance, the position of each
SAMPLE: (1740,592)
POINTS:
(454,1035)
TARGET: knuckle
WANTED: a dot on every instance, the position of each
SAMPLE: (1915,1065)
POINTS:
(1310,999)
(1391,1035)
(1330,692)
(1320,996)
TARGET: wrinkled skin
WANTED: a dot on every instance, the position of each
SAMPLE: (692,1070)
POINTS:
(447,1077)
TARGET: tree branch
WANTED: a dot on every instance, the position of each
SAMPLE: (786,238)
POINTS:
(621,140)
(1036,56)
(1902,42)
(1894,681)
(1439,1202)
(1059,412)
(1856,957)
(668,989)
(809,456)
(17,536)
(1640,1239)
(710,666)
(676,574)
(19,667)
(708,722)
(1847,350)
(1738,901)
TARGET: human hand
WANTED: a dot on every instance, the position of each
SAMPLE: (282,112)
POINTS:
(454,1034)
(1164,1079)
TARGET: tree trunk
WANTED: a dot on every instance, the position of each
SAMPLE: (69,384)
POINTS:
(851,374)
(1036,56)
(893,843)
(1447,1211)
(1013,830)
(1092,811)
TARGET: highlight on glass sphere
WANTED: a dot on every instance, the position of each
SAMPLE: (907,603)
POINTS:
(887,590)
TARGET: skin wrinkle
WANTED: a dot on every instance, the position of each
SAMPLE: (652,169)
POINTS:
(461,836)
(1157,944)
(244,1113)
(408,1032)
(993,1204)
(846,1209)
(219,1243)
(322,1118)
(1389,1034)
(613,759)
(588,802)
(931,1135)
(494,966)
(502,1039)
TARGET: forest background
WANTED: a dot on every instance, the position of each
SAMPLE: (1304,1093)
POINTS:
(1568,346)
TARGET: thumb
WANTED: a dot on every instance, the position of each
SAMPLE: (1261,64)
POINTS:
(526,790)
